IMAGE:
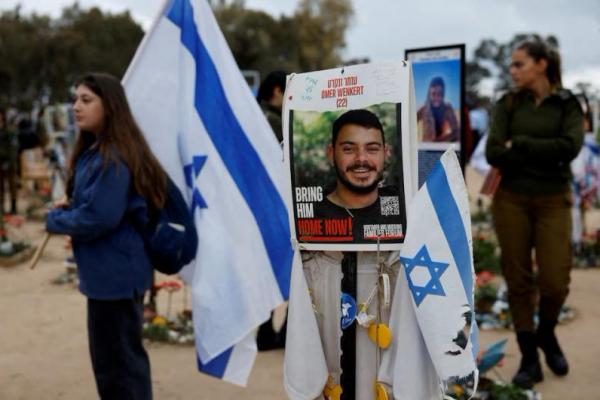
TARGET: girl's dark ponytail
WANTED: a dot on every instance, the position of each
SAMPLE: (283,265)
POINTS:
(538,50)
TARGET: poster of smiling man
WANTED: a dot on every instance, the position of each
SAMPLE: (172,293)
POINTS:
(439,91)
(348,155)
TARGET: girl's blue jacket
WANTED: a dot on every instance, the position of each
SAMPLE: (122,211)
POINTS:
(101,220)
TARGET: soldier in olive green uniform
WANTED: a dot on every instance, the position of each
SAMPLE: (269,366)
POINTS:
(536,131)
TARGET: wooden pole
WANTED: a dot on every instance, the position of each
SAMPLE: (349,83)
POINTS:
(39,250)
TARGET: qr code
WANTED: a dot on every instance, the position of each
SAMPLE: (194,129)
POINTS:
(390,205)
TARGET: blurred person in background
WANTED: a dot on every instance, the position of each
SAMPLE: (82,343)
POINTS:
(536,131)
(270,98)
(9,148)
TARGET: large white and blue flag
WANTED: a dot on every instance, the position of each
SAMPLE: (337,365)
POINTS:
(204,125)
(438,283)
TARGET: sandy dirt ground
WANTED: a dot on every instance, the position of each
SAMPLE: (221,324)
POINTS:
(44,355)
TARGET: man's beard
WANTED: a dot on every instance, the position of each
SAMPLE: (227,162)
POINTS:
(351,186)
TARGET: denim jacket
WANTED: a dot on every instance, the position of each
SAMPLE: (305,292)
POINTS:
(101,220)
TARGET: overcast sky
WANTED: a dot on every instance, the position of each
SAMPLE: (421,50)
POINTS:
(382,29)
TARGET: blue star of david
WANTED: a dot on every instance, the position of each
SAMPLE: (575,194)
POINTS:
(436,269)
(191,172)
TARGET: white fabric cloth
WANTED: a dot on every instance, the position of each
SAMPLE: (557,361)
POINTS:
(406,365)
(207,130)
(313,340)
(437,257)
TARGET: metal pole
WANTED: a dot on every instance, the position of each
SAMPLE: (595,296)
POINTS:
(348,340)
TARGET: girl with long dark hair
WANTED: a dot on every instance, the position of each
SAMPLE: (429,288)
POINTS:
(116,183)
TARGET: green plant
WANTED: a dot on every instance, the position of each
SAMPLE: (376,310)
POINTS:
(485,296)
(506,392)
(157,332)
(484,255)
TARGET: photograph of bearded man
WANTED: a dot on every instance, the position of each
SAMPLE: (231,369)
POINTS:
(358,155)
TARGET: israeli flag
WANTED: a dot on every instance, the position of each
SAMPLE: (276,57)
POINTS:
(205,127)
(438,265)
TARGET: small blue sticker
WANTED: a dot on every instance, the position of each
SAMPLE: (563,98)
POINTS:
(348,305)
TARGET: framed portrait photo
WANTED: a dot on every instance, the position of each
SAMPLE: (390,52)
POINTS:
(439,77)
(348,155)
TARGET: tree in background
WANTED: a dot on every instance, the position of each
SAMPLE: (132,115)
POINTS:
(311,39)
(40,57)
(22,47)
(321,27)
(255,37)
(96,41)
(474,74)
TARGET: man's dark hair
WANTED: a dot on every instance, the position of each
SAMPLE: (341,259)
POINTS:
(363,118)
(274,79)
(438,81)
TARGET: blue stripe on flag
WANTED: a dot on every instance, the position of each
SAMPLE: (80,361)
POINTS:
(216,367)
(240,158)
(452,224)
(474,337)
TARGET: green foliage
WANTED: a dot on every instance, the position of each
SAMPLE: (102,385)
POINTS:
(156,333)
(485,257)
(178,331)
(311,135)
(42,56)
(485,296)
(506,392)
(486,390)
(321,26)
(22,46)
(251,35)
(311,39)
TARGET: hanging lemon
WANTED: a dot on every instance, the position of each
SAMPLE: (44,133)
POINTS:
(381,335)
(380,392)
(332,391)
(336,393)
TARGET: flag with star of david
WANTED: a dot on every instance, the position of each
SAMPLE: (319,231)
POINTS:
(206,128)
(438,265)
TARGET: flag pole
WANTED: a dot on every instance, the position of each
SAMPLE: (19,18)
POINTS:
(348,339)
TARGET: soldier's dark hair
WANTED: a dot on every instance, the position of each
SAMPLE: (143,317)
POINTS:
(538,50)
